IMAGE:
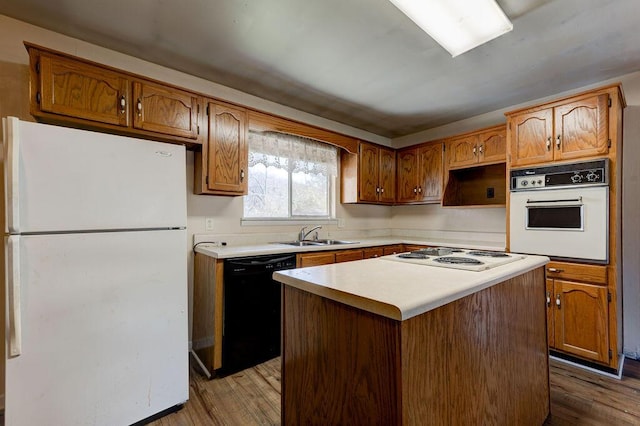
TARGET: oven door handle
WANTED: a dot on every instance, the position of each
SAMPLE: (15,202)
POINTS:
(567,200)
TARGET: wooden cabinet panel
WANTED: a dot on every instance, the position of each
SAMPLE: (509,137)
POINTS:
(578,310)
(314,259)
(227,149)
(369,171)
(420,174)
(531,137)
(463,151)
(165,109)
(393,249)
(413,247)
(349,255)
(576,128)
(75,89)
(582,128)
(492,146)
(550,300)
(430,172)
(387,175)
(372,252)
(407,168)
(372,171)
(581,320)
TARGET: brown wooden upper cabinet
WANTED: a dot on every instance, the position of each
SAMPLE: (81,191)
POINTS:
(420,174)
(164,109)
(575,128)
(486,147)
(75,89)
(72,91)
(225,157)
(368,176)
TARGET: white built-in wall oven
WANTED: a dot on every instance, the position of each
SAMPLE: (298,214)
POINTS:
(561,211)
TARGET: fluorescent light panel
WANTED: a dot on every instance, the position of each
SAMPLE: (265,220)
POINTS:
(457,25)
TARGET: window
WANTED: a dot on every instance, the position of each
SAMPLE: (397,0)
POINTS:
(289,177)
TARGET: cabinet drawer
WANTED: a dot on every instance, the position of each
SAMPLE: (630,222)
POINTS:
(594,274)
(314,259)
(396,248)
(373,252)
(349,255)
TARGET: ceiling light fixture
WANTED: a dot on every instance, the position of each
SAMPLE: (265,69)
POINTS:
(457,25)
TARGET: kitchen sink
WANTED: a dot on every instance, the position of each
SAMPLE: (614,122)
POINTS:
(304,243)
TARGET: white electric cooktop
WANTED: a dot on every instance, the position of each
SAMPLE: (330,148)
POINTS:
(444,257)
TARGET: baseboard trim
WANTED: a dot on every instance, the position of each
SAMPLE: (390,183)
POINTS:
(591,369)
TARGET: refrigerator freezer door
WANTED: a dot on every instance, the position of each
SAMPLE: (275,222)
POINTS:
(61,179)
(104,328)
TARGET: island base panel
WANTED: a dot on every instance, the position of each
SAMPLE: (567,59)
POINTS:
(479,360)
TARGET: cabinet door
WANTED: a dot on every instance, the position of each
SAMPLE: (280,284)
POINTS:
(369,171)
(164,109)
(492,146)
(531,137)
(315,259)
(462,151)
(550,301)
(76,89)
(430,172)
(387,177)
(581,128)
(349,255)
(227,149)
(581,320)
(407,165)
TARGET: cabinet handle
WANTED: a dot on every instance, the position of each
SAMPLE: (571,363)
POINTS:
(558,301)
(548,299)
(123,104)
(554,270)
(419,190)
(139,106)
(549,143)
(480,149)
(377,190)
(558,141)
(241,175)
(415,190)
(382,190)
(474,150)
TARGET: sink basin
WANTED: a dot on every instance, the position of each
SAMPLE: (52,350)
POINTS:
(314,242)
(302,243)
(330,242)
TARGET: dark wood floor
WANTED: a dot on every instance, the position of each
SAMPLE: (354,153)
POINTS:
(252,397)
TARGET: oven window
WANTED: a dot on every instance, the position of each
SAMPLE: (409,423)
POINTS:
(554,217)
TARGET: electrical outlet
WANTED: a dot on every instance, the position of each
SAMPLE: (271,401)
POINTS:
(340,223)
(491,193)
(208,224)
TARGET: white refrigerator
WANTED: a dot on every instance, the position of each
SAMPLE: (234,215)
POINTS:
(95,276)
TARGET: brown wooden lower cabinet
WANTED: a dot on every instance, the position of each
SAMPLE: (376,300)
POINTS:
(393,249)
(577,300)
(412,247)
(371,252)
(349,255)
(451,365)
(314,259)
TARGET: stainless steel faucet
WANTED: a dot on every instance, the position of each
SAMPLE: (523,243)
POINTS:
(302,235)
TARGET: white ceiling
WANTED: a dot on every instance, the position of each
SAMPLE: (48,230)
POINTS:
(359,62)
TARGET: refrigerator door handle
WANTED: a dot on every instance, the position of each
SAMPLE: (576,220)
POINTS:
(13,290)
(12,156)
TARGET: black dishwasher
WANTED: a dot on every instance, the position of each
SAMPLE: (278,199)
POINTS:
(251,327)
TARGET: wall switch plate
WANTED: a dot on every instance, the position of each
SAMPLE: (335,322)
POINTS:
(208,224)
(491,192)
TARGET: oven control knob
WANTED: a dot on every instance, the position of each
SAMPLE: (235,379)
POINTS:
(577,178)
(539,181)
(525,183)
(592,177)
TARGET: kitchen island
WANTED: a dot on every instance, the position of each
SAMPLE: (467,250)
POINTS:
(390,343)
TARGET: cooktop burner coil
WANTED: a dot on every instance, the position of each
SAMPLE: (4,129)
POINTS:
(413,255)
(458,260)
(488,253)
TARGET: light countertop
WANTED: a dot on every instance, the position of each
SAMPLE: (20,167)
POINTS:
(229,251)
(399,290)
